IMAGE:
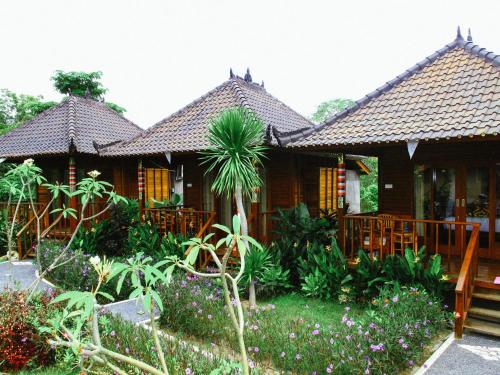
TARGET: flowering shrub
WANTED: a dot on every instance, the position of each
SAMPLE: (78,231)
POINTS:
(76,273)
(131,340)
(21,345)
(389,336)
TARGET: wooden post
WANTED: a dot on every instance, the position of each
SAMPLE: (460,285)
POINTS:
(73,202)
(341,188)
(140,184)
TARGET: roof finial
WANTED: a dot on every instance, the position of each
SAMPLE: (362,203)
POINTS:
(248,77)
(469,36)
(262,83)
(231,74)
(459,34)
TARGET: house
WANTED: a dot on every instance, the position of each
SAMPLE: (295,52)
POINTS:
(82,134)
(436,132)
(168,153)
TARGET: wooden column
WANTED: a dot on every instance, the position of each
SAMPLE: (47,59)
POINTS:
(73,201)
(341,192)
(140,184)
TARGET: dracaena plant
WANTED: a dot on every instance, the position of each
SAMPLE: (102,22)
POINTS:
(78,327)
(233,239)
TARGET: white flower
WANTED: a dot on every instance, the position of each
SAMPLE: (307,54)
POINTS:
(94,173)
(95,260)
(28,162)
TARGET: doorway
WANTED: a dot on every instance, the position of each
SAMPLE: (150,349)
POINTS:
(457,192)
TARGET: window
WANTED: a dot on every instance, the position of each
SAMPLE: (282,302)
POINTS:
(327,189)
(157,184)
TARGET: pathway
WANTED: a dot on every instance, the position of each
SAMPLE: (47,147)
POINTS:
(24,274)
(472,355)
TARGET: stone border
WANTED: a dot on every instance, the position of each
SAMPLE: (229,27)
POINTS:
(433,358)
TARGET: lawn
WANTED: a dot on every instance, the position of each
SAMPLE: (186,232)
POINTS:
(325,313)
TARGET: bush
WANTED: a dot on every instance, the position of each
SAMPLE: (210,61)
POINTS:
(388,337)
(76,272)
(135,341)
(21,344)
(109,236)
(323,270)
(295,230)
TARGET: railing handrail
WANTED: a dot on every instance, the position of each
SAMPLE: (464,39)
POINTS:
(411,220)
(169,209)
(30,221)
(465,282)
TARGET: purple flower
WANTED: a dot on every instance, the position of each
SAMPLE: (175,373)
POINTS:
(405,346)
(316,325)
(251,364)
(377,348)
(256,349)
(112,334)
(395,299)
(189,371)
(315,332)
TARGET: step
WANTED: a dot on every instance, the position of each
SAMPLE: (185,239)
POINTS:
(484,313)
(490,295)
(483,327)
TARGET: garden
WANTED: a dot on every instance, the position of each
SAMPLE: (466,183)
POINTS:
(293,306)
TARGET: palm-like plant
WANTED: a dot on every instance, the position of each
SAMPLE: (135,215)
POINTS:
(236,149)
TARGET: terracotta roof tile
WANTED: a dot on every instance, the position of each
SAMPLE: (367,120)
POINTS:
(186,129)
(75,122)
(454,92)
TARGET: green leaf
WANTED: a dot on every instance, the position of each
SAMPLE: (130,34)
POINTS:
(106,295)
(236,224)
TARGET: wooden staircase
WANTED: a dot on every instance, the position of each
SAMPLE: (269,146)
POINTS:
(484,313)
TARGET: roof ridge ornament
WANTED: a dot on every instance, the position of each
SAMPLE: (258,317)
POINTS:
(231,74)
(459,35)
(469,36)
(248,77)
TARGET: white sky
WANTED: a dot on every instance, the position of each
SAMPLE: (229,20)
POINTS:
(157,56)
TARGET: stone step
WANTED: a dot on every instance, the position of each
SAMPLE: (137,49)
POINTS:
(483,327)
(484,313)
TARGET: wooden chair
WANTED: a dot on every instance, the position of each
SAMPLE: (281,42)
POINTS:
(369,236)
(404,236)
(387,225)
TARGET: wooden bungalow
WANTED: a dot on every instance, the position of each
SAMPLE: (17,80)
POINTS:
(82,134)
(63,142)
(436,132)
(168,160)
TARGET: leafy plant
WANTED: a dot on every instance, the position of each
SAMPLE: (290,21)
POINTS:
(235,153)
(256,263)
(324,266)
(273,281)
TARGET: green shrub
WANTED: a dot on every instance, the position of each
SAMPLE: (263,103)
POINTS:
(387,338)
(76,272)
(128,339)
(109,236)
(323,270)
(295,229)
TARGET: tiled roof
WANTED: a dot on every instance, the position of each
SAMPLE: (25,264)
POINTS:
(186,129)
(76,122)
(454,92)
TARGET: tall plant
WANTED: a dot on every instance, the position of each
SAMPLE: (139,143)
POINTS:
(236,149)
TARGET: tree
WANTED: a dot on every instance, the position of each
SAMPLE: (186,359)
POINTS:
(18,108)
(83,84)
(79,83)
(236,137)
(327,109)
(369,186)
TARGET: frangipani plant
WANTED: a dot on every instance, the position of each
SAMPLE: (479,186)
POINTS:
(233,239)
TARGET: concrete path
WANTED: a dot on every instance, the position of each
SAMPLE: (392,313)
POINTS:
(472,355)
(23,274)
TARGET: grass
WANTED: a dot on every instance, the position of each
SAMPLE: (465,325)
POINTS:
(293,306)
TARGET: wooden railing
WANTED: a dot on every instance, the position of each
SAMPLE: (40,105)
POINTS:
(204,257)
(53,226)
(386,234)
(183,221)
(465,283)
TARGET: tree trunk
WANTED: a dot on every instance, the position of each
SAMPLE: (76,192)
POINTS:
(252,298)
(241,210)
